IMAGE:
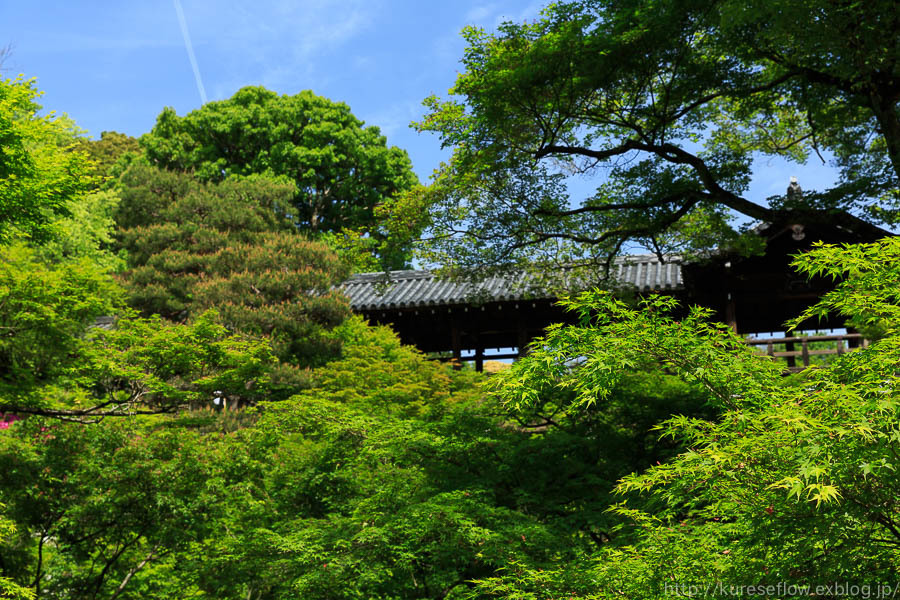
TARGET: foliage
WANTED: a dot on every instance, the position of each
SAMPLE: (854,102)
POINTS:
(357,250)
(874,270)
(622,339)
(193,246)
(98,506)
(795,482)
(667,103)
(46,175)
(148,365)
(111,153)
(341,169)
(55,362)
(40,172)
(361,500)
(44,312)
(8,588)
(842,64)
(391,476)
(85,232)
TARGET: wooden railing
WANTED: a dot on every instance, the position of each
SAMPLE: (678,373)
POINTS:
(809,346)
(797,351)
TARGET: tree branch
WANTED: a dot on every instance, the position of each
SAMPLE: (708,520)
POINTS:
(676,155)
(112,561)
(88,415)
(621,233)
(152,555)
(670,199)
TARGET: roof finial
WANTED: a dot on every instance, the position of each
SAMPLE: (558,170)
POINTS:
(794,191)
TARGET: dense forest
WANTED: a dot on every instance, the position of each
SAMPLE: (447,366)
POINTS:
(190,409)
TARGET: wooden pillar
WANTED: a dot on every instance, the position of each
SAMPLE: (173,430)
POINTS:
(731,313)
(456,344)
(791,360)
(479,352)
(523,339)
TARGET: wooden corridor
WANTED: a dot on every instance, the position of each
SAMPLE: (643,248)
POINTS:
(785,348)
(752,294)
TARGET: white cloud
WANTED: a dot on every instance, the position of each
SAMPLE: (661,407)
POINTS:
(491,15)
(395,118)
(448,48)
(276,43)
(480,14)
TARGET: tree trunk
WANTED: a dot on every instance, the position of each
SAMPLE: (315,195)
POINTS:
(885,110)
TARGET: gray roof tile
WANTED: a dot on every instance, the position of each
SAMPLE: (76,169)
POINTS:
(409,289)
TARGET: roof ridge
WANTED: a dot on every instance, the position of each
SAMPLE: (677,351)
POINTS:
(402,274)
(409,288)
(398,275)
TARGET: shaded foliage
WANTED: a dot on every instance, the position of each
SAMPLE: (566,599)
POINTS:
(666,104)
(341,169)
(391,476)
(107,152)
(229,246)
(795,483)
(95,505)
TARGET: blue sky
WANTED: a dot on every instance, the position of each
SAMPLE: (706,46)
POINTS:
(115,65)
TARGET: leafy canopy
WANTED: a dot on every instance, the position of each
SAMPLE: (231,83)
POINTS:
(57,362)
(40,171)
(665,103)
(107,152)
(229,245)
(390,476)
(342,170)
(795,481)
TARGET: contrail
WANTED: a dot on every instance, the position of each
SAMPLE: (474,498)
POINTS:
(190,51)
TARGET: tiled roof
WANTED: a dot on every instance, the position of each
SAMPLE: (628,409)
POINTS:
(407,289)
(105,322)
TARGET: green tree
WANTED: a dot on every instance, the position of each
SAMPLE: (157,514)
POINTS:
(100,507)
(108,150)
(341,169)
(55,362)
(390,476)
(229,246)
(40,171)
(86,231)
(47,173)
(671,101)
(393,476)
(44,312)
(794,483)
